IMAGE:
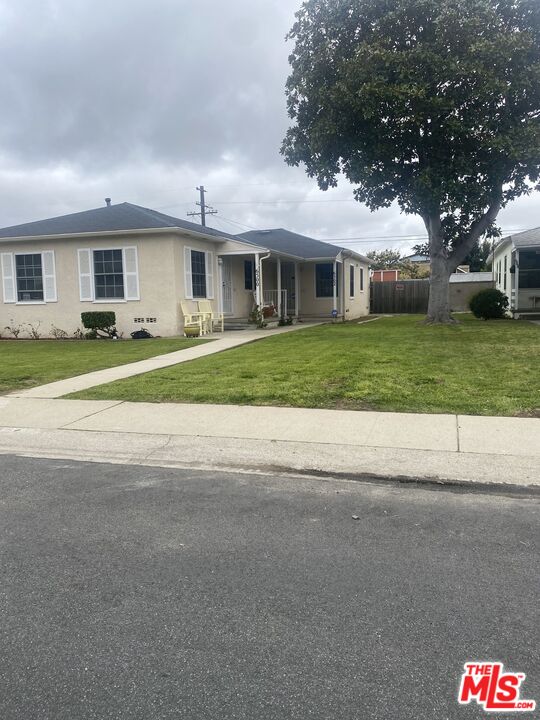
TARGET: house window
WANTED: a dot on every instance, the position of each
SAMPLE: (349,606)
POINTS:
(108,275)
(248,274)
(529,269)
(198,273)
(505,269)
(351,281)
(29,277)
(324,280)
(361,279)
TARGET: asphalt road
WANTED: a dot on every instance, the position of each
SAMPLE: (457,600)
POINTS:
(149,593)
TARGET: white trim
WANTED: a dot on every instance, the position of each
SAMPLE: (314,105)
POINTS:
(334,287)
(8,276)
(30,302)
(209,272)
(296,289)
(86,296)
(131,275)
(278,272)
(188,279)
(50,294)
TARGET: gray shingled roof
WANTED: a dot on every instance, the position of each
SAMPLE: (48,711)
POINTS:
(527,238)
(123,216)
(290,243)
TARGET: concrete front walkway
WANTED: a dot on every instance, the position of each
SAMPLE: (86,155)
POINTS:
(443,447)
(224,341)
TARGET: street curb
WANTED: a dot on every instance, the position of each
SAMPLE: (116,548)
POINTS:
(422,482)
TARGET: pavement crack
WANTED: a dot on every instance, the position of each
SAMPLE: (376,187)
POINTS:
(84,417)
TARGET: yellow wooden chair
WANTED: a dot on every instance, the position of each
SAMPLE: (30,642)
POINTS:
(211,318)
(193,319)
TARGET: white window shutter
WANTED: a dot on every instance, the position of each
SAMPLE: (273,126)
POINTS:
(131,274)
(187,274)
(49,276)
(86,276)
(8,278)
(209,262)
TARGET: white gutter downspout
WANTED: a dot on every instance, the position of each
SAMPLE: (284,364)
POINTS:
(279,287)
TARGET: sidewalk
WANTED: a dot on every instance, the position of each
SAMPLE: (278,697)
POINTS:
(451,448)
(226,341)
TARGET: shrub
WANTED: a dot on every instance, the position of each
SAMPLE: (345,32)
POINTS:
(97,322)
(58,333)
(490,304)
(33,330)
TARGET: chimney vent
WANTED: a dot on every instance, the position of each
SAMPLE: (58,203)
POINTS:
(108,201)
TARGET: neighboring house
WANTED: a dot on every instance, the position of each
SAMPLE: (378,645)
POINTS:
(385,275)
(516,269)
(141,264)
(463,285)
(418,259)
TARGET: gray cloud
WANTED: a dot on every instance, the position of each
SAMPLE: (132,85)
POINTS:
(142,101)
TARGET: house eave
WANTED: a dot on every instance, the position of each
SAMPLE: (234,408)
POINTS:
(116,233)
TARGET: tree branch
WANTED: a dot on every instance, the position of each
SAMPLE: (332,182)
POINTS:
(478,228)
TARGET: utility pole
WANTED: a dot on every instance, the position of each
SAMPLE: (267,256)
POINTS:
(205,209)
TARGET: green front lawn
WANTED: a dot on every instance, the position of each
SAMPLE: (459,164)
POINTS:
(27,363)
(396,364)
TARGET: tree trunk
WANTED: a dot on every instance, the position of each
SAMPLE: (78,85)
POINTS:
(439,291)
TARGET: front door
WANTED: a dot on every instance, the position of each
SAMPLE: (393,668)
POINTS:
(288,283)
(226,286)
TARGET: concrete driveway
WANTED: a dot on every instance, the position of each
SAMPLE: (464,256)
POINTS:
(151,593)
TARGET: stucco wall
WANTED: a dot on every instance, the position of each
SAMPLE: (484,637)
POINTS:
(156,287)
(310,305)
(461,293)
(161,284)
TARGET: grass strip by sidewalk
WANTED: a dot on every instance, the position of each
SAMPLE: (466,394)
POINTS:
(27,363)
(394,364)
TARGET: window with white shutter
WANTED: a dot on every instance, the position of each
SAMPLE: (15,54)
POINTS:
(131,274)
(86,276)
(210,275)
(8,278)
(49,276)
(188,282)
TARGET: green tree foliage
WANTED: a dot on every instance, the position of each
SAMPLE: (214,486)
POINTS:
(430,104)
(384,259)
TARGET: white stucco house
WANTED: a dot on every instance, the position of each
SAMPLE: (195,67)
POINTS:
(142,264)
(516,268)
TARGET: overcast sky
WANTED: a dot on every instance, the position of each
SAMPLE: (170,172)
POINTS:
(142,101)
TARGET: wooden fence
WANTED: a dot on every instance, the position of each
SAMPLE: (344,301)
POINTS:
(404,296)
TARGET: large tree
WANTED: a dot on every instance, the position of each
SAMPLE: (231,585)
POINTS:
(433,104)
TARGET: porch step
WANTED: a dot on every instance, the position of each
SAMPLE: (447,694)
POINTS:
(238,325)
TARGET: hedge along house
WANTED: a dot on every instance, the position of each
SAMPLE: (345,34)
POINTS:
(142,264)
(516,269)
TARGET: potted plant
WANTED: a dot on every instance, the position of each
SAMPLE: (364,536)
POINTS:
(192,331)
